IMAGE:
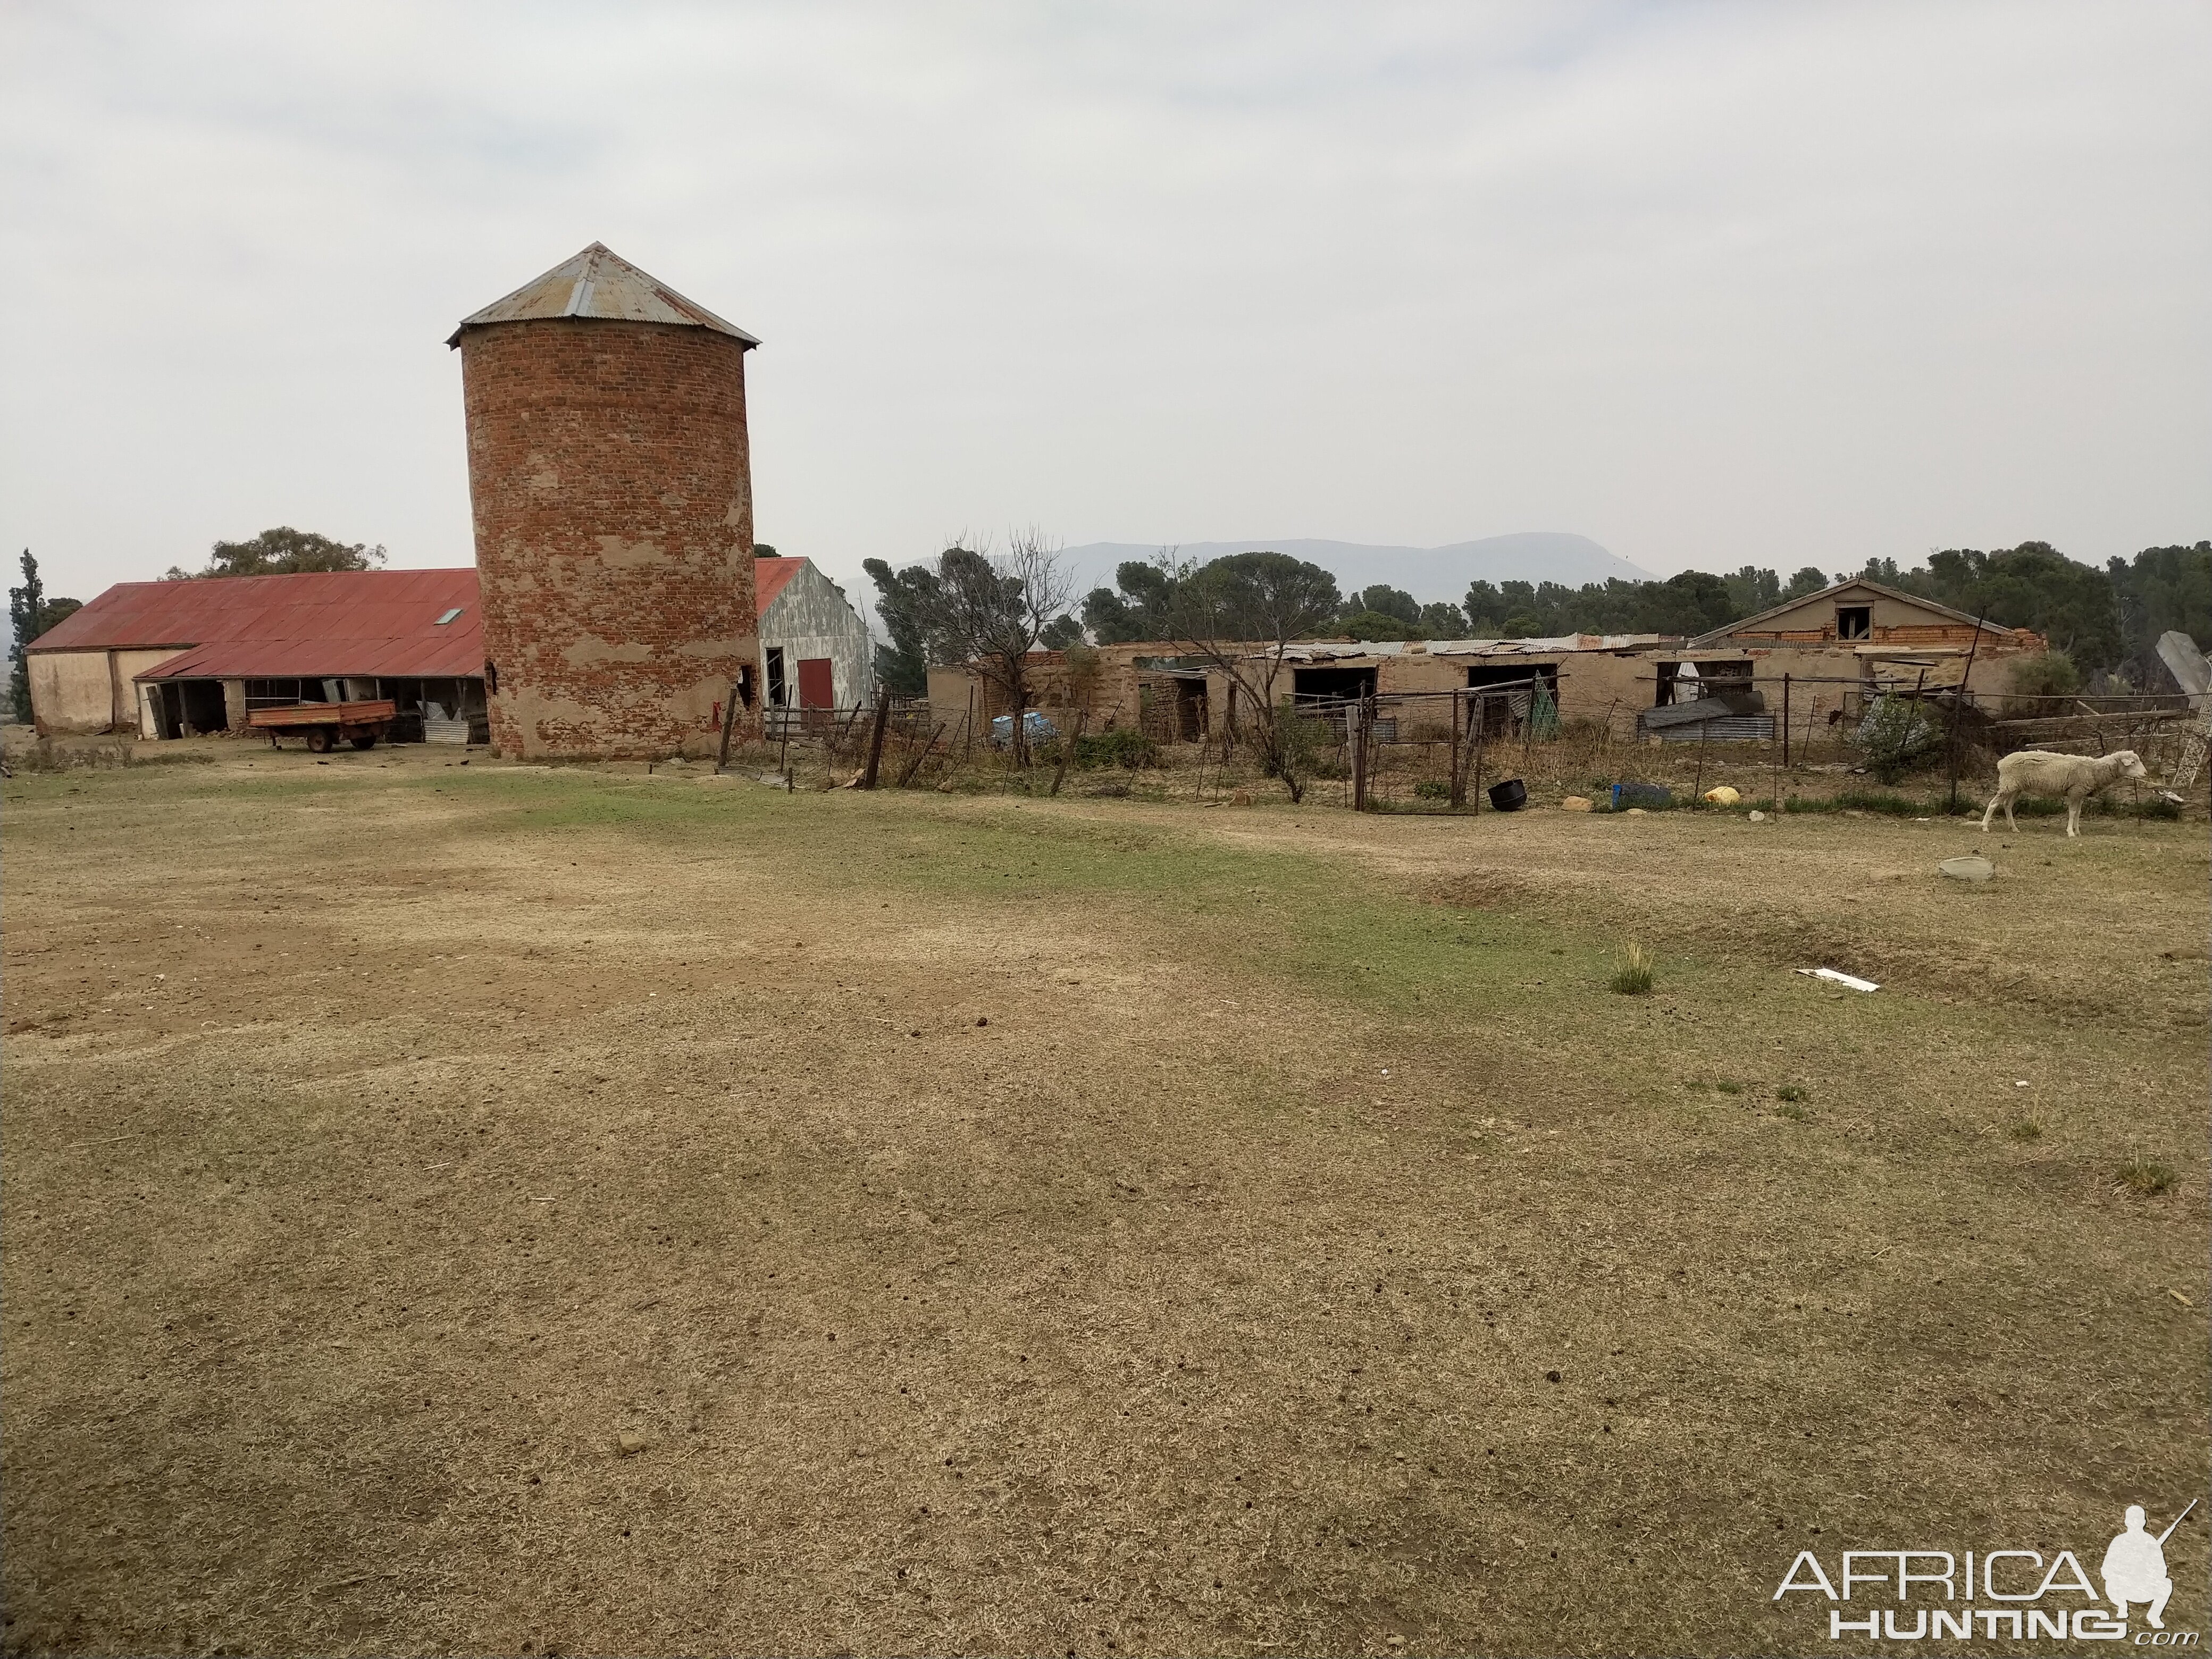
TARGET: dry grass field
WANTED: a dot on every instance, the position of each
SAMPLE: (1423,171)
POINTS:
(499,1210)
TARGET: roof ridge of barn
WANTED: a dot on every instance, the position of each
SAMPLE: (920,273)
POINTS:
(1743,624)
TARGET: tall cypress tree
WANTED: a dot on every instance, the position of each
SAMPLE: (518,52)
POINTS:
(24,604)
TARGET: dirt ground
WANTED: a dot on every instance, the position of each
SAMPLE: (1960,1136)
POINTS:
(489,1209)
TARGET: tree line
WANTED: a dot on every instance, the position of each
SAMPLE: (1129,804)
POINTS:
(2104,621)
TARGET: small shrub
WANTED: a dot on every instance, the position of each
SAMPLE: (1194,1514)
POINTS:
(1123,746)
(2026,1130)
(1432,789)
(1896,735)
(1636,976)
(2146,1177)
(1791,1093)
(2036,679)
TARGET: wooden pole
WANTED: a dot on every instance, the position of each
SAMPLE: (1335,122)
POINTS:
(1705,737)
(1780,753)
(876,739)
(1458,772)
(1357,715)
(1958,708)
(729,719)
(1481,712)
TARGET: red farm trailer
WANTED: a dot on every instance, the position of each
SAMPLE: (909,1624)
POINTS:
(324,723)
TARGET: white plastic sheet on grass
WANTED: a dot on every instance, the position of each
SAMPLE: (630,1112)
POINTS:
(1836,978)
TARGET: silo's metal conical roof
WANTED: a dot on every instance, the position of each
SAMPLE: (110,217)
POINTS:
(599,282)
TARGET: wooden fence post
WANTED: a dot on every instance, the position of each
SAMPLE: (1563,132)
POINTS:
(1480,713)
(1458,770)
(1359,755)
(729,719)
(876,739)
(1958,709)
(1781,755)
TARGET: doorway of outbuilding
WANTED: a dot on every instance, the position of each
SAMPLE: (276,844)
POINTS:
(202,708)
(162,716)
(1346,684)
(1190,708)
(1504,712)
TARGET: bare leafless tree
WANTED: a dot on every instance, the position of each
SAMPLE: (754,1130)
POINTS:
(993,610)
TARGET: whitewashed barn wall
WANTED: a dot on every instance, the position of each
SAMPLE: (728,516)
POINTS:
(812,618)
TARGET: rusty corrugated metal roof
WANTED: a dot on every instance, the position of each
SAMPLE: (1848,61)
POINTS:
(599,282)
(327,622)
(770,577)
(1561,642)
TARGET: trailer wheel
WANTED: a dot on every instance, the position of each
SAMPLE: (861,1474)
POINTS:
(366,741)
(318,739)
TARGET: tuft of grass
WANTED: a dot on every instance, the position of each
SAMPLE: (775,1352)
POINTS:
(1638,972)
(1792,1093)
(1727,1088)
(2146,1177)
(1793,1111)
(2026,1130)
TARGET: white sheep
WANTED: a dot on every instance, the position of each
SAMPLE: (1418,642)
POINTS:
(2077,777)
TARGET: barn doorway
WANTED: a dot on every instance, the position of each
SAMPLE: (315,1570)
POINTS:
(1503,714)
(1331,684)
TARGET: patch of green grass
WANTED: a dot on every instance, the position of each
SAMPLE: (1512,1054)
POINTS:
(1729,1088)
(1793,1111)
(2146,1177)
(1637,973)
(1791,1093)
(2026,1129)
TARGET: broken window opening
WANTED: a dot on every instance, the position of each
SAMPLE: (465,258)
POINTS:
(1854,622)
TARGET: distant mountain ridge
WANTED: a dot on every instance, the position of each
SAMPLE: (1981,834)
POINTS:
(1429,573)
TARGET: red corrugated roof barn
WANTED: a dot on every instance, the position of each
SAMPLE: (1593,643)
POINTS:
(214,634)
(170,655)
(366,622)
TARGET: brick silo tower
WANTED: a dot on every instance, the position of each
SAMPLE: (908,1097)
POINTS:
(612,492)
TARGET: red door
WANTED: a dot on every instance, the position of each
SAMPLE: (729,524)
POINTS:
(816,688)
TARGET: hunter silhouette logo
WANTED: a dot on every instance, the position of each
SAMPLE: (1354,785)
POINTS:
(2014,1594)
(2134,1566)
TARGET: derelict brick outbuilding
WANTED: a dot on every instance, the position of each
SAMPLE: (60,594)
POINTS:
(612,492)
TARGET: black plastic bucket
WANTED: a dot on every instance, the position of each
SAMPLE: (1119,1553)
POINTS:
(1510,796)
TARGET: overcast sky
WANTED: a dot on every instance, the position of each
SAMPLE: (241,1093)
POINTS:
(1710,283)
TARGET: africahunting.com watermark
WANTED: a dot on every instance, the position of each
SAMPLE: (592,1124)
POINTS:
(2000,1594)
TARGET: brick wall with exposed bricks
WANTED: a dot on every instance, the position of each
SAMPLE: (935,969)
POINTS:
(612,494)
